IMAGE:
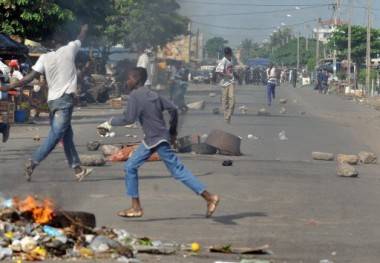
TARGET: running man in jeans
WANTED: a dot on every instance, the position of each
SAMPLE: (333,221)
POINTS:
(61,76)
(225,71)
(147,107)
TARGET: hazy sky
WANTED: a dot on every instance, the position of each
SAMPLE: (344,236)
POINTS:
(258,18)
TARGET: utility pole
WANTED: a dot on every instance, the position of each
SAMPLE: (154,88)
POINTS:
(336,21)
(298,51)
(349,59)
(189,29)
(317,52)
(368,55)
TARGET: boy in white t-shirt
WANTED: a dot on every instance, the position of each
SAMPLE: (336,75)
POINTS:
(225,71)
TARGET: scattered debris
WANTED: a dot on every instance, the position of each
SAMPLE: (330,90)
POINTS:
(367,157)
(346,170)
(228,249)
(93,146)
(184,143)
(243,109)
(92,160)
(282,136)
(212,94)
(203,148)
(37,138)
(198,105)
(252,137)
(227,163)
(322,156)
(283,110)
(215,111)
(226,143)
(65,235)
(263,112)
(283,101)
(345,158)
(108,150)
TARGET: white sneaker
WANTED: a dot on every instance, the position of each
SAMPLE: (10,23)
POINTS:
(83,174)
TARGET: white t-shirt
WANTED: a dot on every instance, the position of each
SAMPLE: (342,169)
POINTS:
(225,67)
(16,74)
(59,69)
(144,62)
(272,76)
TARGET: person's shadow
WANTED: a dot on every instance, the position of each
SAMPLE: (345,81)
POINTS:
(223,219)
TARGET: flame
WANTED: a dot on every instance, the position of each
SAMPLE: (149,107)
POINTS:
(42,211)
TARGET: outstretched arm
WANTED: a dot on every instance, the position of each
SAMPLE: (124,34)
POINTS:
(27,79)
(83,33)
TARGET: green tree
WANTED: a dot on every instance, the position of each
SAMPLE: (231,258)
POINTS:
(145,22)
(214,47)
(339,39)
(35,19)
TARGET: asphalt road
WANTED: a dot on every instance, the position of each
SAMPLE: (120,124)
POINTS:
(274,194)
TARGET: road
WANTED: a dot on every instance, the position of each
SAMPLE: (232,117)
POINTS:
(274,194)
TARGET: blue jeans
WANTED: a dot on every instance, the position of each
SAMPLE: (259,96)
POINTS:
(172,162)
(271,92)
(61,111)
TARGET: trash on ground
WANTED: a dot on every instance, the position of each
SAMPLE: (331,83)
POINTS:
(92,160)
(283,110)
(93,145)
(227,163)
(282,136)
(252,137)
(347,158)
(212,94)
(226,143)
(198,105)
(203,148)
(283,101)
(108,150)
(229,249)
(367,157)
(35,230)
(243,109)
(322,156)
(346,170)
(104,129)
(263,112)
(37,138)
(184,143)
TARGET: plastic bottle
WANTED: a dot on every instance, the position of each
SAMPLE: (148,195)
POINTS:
(52,231)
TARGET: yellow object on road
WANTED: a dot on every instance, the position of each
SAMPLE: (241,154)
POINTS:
(195,247)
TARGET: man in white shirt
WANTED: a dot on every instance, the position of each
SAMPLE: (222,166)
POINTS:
(272,82)
(144,61)
(61,76)
(225,71)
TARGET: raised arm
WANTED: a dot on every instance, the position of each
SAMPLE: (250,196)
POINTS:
(83,33)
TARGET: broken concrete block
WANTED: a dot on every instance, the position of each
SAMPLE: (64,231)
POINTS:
(283,101)
(198,105)
(109,149)
(345,158)
(367,157)
(93,145)
(92,160)
(283,111)
(263,112)
(346,170)
(321,156)
(226,143)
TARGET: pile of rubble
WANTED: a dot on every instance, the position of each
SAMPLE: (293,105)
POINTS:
(346,162)
(33,230)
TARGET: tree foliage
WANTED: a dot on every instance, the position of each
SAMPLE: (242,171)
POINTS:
(359,42)
(214,46)
(34,19)
(145,22)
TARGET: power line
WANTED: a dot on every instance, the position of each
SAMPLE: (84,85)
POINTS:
(253,13)
(247,4)
(250,28)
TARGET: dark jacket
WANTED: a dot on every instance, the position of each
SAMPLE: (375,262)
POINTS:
(147,107)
